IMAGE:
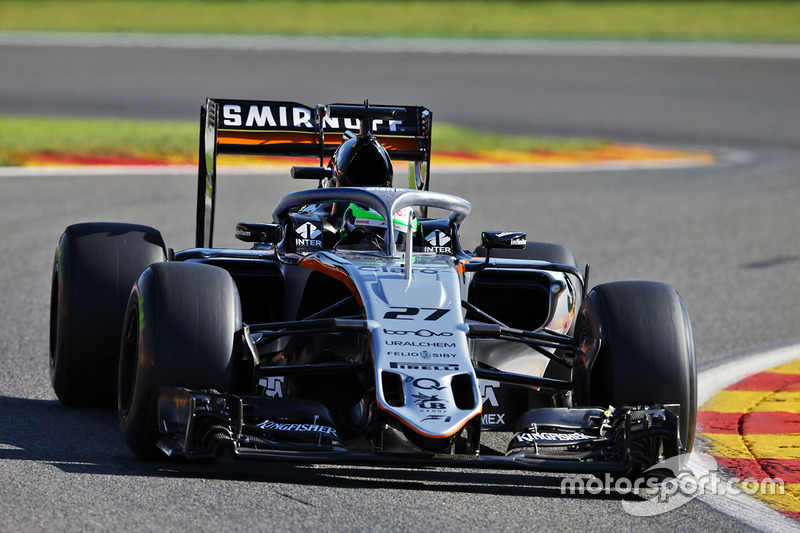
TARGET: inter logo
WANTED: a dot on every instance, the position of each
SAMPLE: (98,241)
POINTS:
(307,235)
(308,231)
(438,241)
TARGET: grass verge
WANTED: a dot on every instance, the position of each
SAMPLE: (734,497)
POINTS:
(24,138)
(767,20)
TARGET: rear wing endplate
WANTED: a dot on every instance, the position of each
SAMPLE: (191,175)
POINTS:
(290,129)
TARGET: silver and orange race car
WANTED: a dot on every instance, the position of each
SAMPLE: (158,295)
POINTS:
(354,328)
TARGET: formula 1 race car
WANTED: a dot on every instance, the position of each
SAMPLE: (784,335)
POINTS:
(355,328)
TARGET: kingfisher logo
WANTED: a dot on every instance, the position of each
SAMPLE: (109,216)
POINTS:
(270,425)
(307,235)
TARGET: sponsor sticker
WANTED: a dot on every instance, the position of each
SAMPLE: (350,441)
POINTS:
(438,241)
(424,354)
(396,270)
(418,333)
(307,235)
(273,386)
(426,384)
(266,116)
(437,418)
(488,392)
(536,437)
(493,419)
(429,402)
(424,366)
(297,117)
(298,427)
(421,344)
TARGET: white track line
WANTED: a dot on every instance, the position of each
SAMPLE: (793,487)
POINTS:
(715,379)
(522,47)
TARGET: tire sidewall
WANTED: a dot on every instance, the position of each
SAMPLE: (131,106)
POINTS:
(647,350)
(137,380)
(94,267)
(187,316)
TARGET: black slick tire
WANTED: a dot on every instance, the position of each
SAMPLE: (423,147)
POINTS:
(95,266)
(180,330)
(647,349)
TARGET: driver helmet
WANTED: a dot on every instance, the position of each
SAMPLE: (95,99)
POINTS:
(365,224)
(361,162)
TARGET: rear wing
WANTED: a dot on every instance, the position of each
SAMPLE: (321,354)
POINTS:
(290,129)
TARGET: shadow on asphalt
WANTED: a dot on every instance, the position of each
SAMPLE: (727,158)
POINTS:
(88,441)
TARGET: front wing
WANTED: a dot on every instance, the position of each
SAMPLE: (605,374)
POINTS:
(205,425)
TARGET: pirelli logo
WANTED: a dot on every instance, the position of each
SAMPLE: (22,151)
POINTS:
(424,366)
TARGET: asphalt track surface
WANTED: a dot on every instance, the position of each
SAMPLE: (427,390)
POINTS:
(726,237)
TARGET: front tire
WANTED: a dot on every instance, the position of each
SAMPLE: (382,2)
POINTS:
(180,330)
(647,349)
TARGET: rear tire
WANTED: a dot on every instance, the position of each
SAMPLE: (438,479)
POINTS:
(180,330)
(94,269)
(647,349)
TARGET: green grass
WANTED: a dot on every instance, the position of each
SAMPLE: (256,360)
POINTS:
(22,137)
(769,20)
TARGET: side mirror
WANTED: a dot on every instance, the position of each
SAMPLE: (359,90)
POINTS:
(254,232)
(311,173)
(503,239)
(498,239)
